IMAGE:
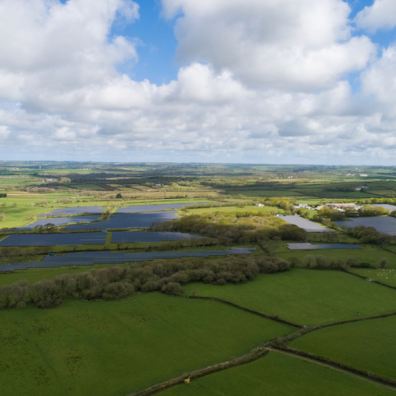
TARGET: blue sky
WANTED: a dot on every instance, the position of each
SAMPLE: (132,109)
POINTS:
(156,44)
(383,37)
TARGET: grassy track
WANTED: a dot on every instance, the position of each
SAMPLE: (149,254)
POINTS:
(279,375)
(113,348)
(367,345)
(306,296)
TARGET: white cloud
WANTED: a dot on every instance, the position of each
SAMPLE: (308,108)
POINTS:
(67,45)
(379,81)
(4,131)
(261,81)
(285,44)
(380,15)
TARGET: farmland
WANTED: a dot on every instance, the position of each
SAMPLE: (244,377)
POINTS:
(140,337)
(305,296)
(267,376)
(190,280)
(351,344)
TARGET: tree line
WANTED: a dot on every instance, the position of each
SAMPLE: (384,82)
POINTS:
(232,233)
(117,282)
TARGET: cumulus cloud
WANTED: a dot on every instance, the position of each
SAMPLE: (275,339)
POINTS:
(380,15)
(60,46)
(259,81)
(4,131)
(283,43)
(379,81)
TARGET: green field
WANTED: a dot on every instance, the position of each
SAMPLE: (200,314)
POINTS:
(112,348)
(35,275)
(306,296)
(279,375)
(117,347)
(387,276)
(367,345)
(368,254)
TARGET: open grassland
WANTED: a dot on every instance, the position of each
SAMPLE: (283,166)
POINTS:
(386,275)
(306,296)
(368,345)
(35,275)
(113,348)
(23,208)
(330,188)
(13,182)
(366,254)
(279,375)
(250,216)
(235,211)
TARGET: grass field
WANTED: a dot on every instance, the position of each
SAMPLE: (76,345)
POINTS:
(386,275)
(113,348)
(250,216)
(367,345)
(235,211)
(22,208)
(306,296)
(279,375)
(366,254)
(35,275)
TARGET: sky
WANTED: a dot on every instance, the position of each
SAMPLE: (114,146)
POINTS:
(243,81)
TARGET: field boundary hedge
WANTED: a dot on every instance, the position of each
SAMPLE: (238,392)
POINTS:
(369,279)
(249,357)
(277,344)
(248,310)
(336,365)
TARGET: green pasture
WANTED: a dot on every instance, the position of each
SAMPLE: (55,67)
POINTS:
(235,211)
(117,347)
(386,275)
(368,345)
(20,209)
(366,254)
(38,274)
(249,216)
(279,375)
(306,296)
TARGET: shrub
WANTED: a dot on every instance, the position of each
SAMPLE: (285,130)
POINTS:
(151,285)
(383,263)
(116,290)
(14,296)
(46,294)
(172,288)
(368,235)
